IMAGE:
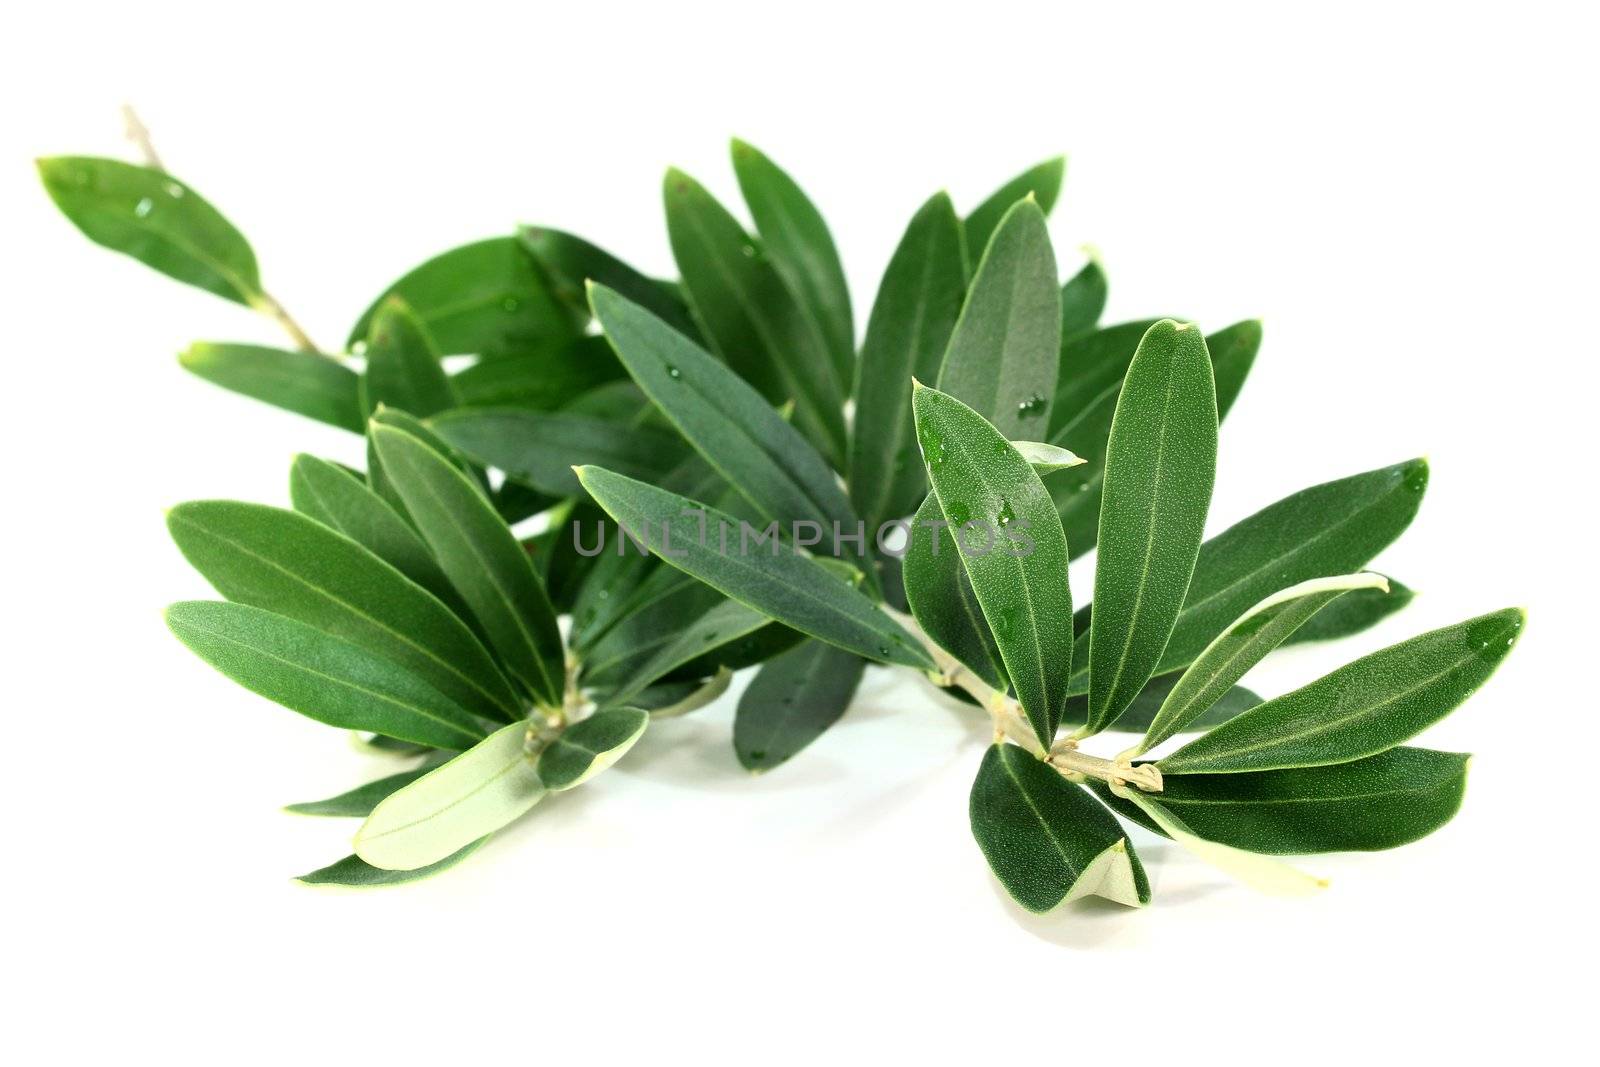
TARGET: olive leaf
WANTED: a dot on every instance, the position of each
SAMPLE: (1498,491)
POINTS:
(586,748)
(1047,840)
(1042,182)
(702,631)
(918,302)
(1083,300)
(1019,575)
(540,448)
(483,561)
(403,368)
(570,263)
(1005,352)
(318,675)
(785,585)
(1142,712)
(302,382)
(475,794)
(795,236)
(357,873)
(792,701)
(572,375)
(1160,464)
(157,219)
(1361,709)
(941,598)
(359,802)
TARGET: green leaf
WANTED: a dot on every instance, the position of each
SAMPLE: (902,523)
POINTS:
(1160,464)
(294,566)
(907,333)
(357,873)
(483,561)
(1005,353)
(791,701)
(749,315)
(1361,709)
(318,675)
(326,492)
(545,378)
(569,262)
(447,809)
(726,421)
(1042,182)
(1352,613)
(483,298)
(1383,801)
(540,448)
(1142,712)
(403,368)
(802,250)
(941,598)
(785,585)
(1083,300)
(1233,353)
(156,219)
(1243,645)
(302,382)
(1046,840)
(358,802)
(701,630)
(1019,568)
(586,748)
(1333,528)
(1046,458)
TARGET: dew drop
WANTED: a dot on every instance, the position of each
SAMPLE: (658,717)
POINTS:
(673,372)
(883,650)
(143,207)
(175,190)
(1006,516)
(509,304)
(1032,407)
(749,251)
(605,594)
(1002,626)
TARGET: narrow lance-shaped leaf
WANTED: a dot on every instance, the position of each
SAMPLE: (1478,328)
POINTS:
(1083,299)
(483,561)
(294,566)
(403,368)
(358,802)
(785,585)
(302,382)
(1383,801)
(318,675)
(1244,644)
(1160,464)
(586,748)
(802,250)
(750,317)
(728,423)
(483,298)
(540,448)
(1047,840)
(791,701)
(1041,181)
(356,873)
(1011,547)
(1353,613)
(1142,712)
(447,809)
(156,219)
(569,262)
(1046,458)
(727,621)
(545,378)
(1005,352)
(907,334)
(1360,709)
(941,598)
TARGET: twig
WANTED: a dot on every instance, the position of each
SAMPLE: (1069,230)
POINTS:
(135,131)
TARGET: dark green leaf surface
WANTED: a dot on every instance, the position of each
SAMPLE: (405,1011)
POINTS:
(1360,709)
(569,262)
(737,432)
(548,377)
(1161,462)
(1352,613)
(1046,839)
(750,317)
(702,631)
(294,566)
(1233,353)
(1383,801)
(1142,712)
(586,748)
(791,701)
(1011,547)
(358,803)
(483,298)
(483,561)
(318,675)
(302,382)
(156,219)
(342,502)
(540,448)
(1042,181)
(907,334)
(1005,352)
(789,587)
(1083,300)
(355,872)
(941,597)
(802,250)
(403,368)
(1241,646)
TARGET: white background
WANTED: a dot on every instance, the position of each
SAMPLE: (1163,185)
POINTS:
(1406,196)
